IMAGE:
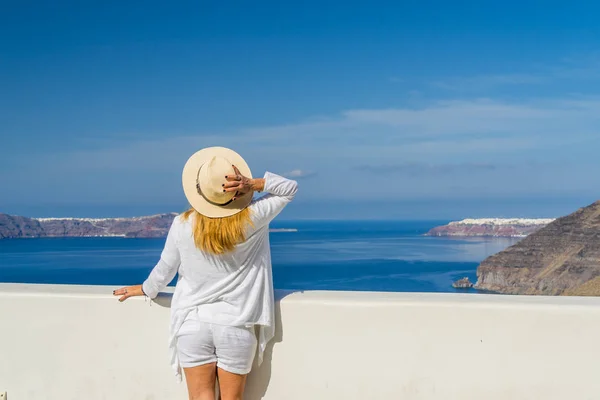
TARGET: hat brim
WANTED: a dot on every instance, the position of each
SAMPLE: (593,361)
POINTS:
(196,200)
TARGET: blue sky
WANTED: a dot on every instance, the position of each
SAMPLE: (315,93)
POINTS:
(428,109)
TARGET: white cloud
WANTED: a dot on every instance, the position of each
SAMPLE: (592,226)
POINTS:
(442,129)
(583,70)
(431,169)
(480,116)
(484,82)
(299,174)
(441,133)
(460,126)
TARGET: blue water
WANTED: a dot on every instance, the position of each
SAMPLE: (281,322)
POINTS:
(379,256)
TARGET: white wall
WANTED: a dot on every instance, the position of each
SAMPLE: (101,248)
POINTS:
(70,342)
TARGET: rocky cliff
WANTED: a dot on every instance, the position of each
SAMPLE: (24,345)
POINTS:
(498,227)
(562,258)
(142,227)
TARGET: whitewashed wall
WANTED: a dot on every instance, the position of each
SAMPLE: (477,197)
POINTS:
(70,342)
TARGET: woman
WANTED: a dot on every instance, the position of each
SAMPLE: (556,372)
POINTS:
(220,248)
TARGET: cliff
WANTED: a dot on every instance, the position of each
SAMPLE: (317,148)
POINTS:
(498,227)
(562,258)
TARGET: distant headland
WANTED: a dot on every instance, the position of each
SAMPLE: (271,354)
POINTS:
(495,227)
(152,226)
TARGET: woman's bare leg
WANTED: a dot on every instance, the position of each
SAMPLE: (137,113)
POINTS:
(201,381)
(231,385)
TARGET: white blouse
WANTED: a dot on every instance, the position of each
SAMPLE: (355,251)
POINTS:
(234,289)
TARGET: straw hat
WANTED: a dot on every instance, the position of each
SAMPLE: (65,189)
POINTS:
(203,178)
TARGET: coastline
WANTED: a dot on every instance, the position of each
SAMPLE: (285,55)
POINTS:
(122,236)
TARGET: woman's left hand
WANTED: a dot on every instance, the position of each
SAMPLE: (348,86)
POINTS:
(129,291)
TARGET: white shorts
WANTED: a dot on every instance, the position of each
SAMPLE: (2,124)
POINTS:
(231,347)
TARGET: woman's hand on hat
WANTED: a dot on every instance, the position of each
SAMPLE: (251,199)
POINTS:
(238,183)
(129,291)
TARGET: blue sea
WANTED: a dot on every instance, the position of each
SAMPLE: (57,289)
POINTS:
(321,255)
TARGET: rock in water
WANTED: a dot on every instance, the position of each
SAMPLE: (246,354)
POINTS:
(563,258)
(463,283)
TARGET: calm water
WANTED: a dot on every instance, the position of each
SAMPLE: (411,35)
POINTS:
(381,256)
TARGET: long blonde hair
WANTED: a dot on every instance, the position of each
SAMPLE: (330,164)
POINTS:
(219,235)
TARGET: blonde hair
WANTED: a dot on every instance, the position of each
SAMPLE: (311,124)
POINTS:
(219,235)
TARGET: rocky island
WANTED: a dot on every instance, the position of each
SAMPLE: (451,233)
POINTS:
(464,283)
(496,227)
(562,258)
(152,226)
